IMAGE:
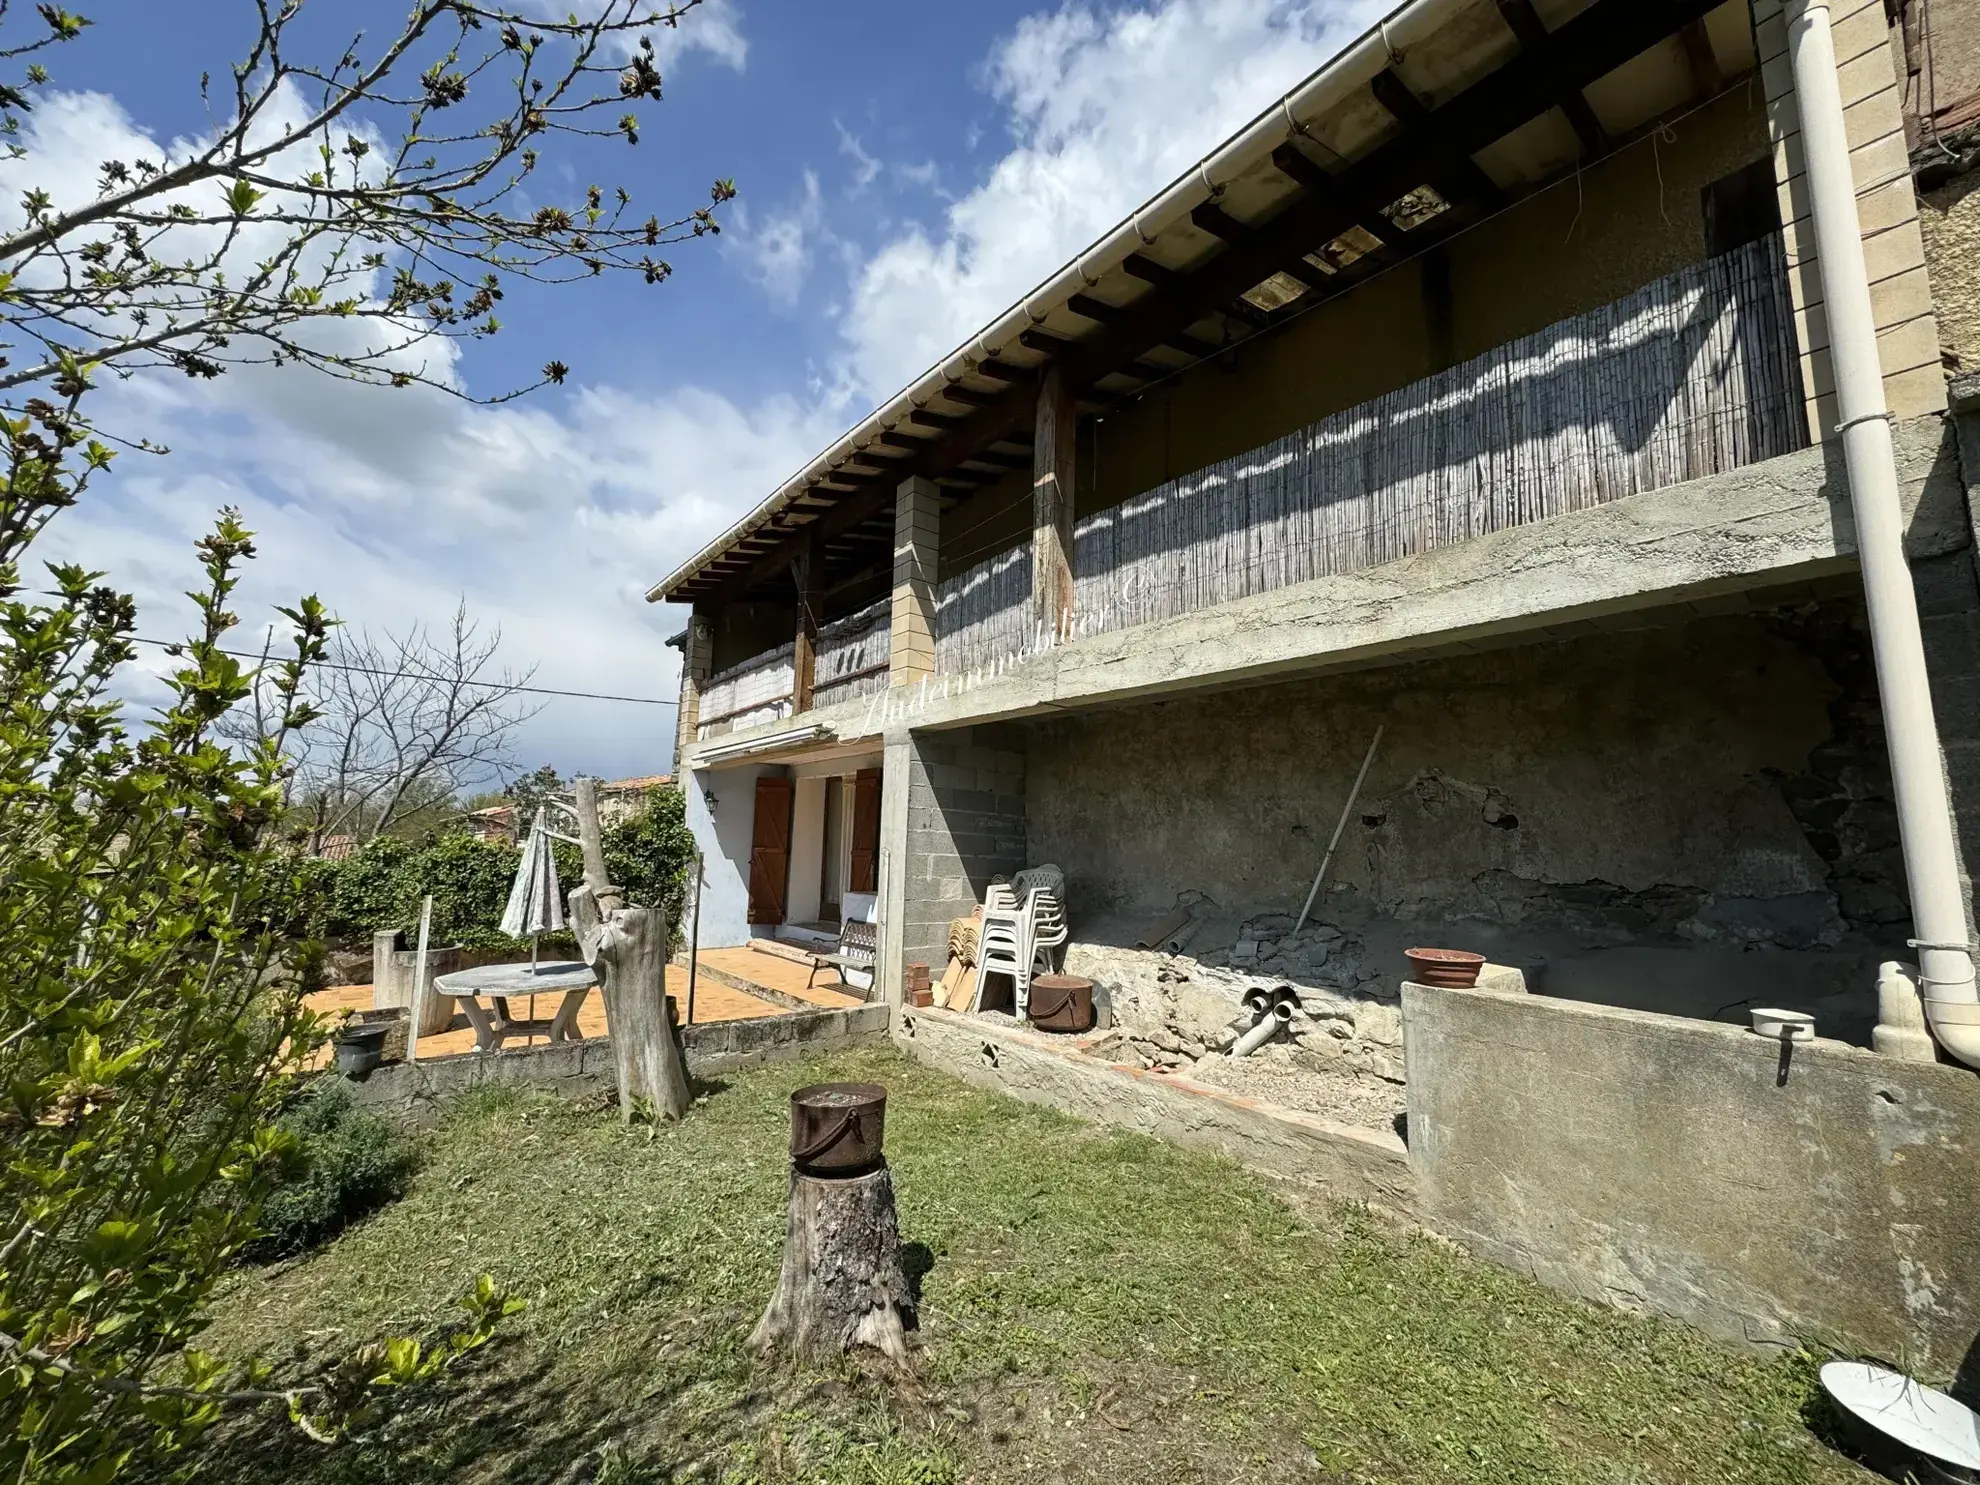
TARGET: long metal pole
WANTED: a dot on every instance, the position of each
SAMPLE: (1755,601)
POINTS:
(694,937)
(1346,810)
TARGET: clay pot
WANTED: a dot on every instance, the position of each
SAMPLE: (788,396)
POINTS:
(1061,1003)
(1452,969)
(837,1129)
(359,1049)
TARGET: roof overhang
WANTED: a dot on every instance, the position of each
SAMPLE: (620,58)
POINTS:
(1438,116)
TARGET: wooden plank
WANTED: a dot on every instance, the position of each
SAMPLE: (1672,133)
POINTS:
(863,872)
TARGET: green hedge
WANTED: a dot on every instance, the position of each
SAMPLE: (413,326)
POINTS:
(345,1163)
(380,885)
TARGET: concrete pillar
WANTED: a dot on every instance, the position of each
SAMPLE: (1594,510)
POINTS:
(917,537)
(896,776)
(697,657)
(1887,209)
(808,571)
(1052,502)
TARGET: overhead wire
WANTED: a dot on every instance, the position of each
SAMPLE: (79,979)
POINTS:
(415,675)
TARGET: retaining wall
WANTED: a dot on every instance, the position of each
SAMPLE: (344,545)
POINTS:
(1666,1164)
(584,1069)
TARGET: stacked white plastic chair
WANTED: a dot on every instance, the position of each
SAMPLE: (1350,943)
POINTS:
(1022,924)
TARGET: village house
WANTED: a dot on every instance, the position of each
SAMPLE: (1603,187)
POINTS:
(1571,390)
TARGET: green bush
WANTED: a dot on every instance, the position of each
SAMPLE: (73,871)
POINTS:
(650,854)
(345,1163)
(379,886)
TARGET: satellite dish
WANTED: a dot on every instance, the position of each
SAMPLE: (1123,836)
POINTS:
(1907,1412)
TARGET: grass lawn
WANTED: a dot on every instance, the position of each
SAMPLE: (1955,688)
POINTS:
(1094,1307)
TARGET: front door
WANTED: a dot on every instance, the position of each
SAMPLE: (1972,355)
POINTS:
(863,869)
(770,851)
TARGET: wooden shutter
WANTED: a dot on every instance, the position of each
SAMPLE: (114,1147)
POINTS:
(864,874)
(770,851)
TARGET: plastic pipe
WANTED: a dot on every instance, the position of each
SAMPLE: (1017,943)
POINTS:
(1269,1025)
(1917,773)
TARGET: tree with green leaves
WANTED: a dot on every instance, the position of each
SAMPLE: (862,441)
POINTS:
(349,215)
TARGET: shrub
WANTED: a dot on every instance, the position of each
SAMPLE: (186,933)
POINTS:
(650,854)
(379,886)
(345,1163)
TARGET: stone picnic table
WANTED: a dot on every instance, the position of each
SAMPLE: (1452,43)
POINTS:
(501,983)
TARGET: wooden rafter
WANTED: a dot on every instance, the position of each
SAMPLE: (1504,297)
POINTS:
(1427,147)
(1453,171)
(1532,31)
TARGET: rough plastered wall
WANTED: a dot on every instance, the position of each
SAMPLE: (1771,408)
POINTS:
(1677,1166)
(1949,218)
(1720,782)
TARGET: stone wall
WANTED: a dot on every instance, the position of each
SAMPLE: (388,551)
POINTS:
(1673,1165)
(1347,1163)
(1621,784)
(965,823)
(584,1069)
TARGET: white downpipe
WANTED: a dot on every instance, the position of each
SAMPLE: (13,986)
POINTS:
(1917,772)
(1269,1025)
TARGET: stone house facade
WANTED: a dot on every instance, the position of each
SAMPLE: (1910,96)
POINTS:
(1571,391)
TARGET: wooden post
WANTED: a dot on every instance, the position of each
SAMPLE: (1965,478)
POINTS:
(417,1000)
(628,947)
(1052,502)
(842,1284)
(809,573)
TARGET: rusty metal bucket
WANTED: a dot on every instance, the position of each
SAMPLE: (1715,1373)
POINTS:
(1061,1003)
(837,1129)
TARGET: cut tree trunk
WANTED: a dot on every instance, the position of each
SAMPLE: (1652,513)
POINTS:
(628,948)
(842,1283)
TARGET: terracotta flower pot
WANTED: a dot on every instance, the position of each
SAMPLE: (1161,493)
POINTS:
(1453,969)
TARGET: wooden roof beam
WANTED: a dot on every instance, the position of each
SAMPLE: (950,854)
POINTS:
(1291,161)
(1454,172)
(1603,36)
(969,396)
(1706,78)
(1532,31)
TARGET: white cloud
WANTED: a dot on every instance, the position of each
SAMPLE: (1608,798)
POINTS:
(1104,108)
(713,27)
(865,168)
(777,251)
(554,517)
(551,517)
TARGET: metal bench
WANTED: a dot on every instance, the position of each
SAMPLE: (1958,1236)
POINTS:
(859,948)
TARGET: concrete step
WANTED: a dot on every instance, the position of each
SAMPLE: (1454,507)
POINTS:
(778,949)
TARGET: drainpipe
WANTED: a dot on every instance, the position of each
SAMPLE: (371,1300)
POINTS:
(1917,771)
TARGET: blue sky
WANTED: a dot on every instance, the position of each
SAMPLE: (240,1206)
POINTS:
(905,171)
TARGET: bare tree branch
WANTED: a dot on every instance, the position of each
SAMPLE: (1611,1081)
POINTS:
(336,194)
(405,721)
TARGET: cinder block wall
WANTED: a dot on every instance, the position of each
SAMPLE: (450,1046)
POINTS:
(965,824)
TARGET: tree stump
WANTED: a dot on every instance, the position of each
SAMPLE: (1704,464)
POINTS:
(842,1283)
(628,948)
